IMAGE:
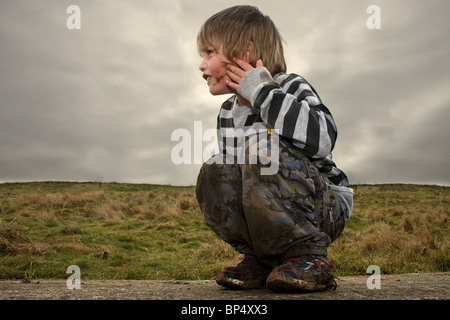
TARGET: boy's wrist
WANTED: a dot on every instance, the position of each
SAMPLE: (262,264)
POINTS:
(253,81)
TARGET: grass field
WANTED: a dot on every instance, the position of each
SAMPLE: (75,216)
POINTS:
(131,231)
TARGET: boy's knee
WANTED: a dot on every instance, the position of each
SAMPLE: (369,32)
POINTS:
(212,175)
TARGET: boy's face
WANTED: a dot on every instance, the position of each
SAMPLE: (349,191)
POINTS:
(214,69)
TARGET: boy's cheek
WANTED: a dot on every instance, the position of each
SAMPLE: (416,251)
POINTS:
(220,87)
(220,73)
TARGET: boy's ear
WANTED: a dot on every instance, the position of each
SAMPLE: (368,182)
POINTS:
(250,54)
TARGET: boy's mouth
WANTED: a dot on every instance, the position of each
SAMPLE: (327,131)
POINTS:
(206,77)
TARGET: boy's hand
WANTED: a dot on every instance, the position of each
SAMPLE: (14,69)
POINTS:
(237,72)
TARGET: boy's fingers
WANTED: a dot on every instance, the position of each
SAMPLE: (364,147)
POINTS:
(235,70)
(243,64)
(232,85)
(233,76)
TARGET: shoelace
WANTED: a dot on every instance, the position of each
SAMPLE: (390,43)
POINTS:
(308,264)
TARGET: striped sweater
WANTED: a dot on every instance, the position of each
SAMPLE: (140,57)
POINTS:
(289,104)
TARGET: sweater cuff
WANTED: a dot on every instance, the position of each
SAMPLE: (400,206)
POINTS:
(253,81)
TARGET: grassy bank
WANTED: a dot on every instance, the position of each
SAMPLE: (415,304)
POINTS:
(129,231)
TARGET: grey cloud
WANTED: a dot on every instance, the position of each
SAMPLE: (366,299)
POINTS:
(101,103)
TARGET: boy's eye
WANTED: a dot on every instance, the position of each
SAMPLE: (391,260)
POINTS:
(210,50)
(207,52)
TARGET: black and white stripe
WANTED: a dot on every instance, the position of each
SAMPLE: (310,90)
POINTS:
(290,105)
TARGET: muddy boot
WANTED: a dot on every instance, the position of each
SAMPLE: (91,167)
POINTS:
(249,274)
(301,275)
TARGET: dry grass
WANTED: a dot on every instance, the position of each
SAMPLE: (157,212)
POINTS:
(400,228)
(117,231)
(139,231)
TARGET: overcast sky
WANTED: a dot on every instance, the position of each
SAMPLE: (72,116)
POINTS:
(101,103)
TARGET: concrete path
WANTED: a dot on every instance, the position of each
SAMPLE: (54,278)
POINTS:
(435,286)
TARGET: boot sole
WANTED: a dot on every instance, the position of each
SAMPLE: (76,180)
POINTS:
(239,284)
(294,285)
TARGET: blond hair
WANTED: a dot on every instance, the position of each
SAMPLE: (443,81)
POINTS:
(233,29)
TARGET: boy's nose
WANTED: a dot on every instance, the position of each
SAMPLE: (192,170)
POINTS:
(202,66)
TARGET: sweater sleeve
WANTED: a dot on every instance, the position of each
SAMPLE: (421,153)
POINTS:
(293,108)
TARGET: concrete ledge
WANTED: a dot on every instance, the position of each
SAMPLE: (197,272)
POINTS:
(429,286)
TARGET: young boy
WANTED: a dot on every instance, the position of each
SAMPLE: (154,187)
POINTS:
(282,222)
